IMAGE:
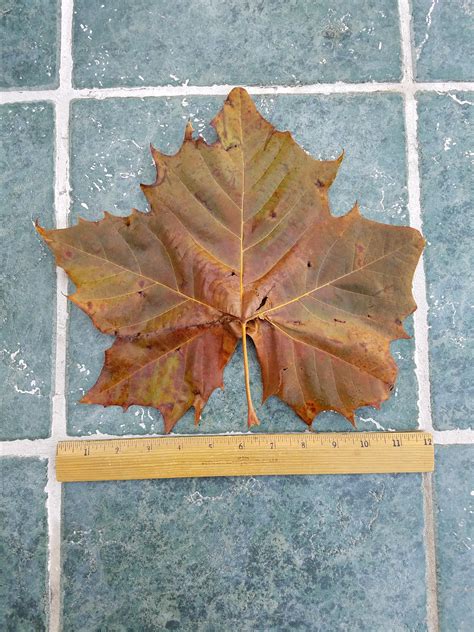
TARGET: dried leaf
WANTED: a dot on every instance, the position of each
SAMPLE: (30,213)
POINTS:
(240,242)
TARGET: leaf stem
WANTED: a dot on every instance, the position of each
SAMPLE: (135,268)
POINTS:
(252,418)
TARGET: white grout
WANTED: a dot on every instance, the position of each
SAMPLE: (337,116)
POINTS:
(60,94)
(414,204)
(429,537)
(453,437)
(420,318)
(42,448)
(58,423)
(54,491)
(45,448)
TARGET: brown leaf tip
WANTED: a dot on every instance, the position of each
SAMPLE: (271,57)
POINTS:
(188,133)
(40,230)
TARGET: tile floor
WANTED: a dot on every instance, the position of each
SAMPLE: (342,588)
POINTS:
(87,85)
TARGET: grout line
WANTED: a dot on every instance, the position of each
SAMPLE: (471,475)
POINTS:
(58,421)
(61,93)
(421,314)
(54,500)
(45,448)
(414,205)
(420,317)
(429,538)
(454,437)
(41,448)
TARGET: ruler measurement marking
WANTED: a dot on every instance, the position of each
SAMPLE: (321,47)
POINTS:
(246,454)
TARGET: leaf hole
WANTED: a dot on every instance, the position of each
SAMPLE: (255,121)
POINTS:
(262,303)
(309,264)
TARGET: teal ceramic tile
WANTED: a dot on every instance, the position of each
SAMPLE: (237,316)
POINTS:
(443,40)
(23,545)
(154,42)
(27,277)
(273,553)
(445,139)
(29,49)
(454,478)
(110,157)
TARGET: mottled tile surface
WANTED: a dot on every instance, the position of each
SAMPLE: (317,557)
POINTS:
(110,157)
(454,492)
(446,140)
(23,545)
(155,42)
(443,39)
(280,553)
(29,43)
(27,279)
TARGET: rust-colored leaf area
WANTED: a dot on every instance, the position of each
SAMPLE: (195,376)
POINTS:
(239,241)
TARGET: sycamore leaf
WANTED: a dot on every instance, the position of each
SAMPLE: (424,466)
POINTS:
(239,242)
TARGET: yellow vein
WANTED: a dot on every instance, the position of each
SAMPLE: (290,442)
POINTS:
(326,322)
(275,162)
(244,323)
(242,211)
(273,229)
(316,289)
(145,320)
(111,298)
(315,348)
(191,298)
(129,247)
(198,243)
(101,279)
(208,212)
(338,238)
(217,181)
(295,368)
(143,366)
(314,298)
(166,251)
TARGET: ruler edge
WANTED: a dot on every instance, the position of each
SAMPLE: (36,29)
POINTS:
(160,438)
(258,435)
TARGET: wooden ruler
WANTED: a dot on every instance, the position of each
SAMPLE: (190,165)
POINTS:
(244,455)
